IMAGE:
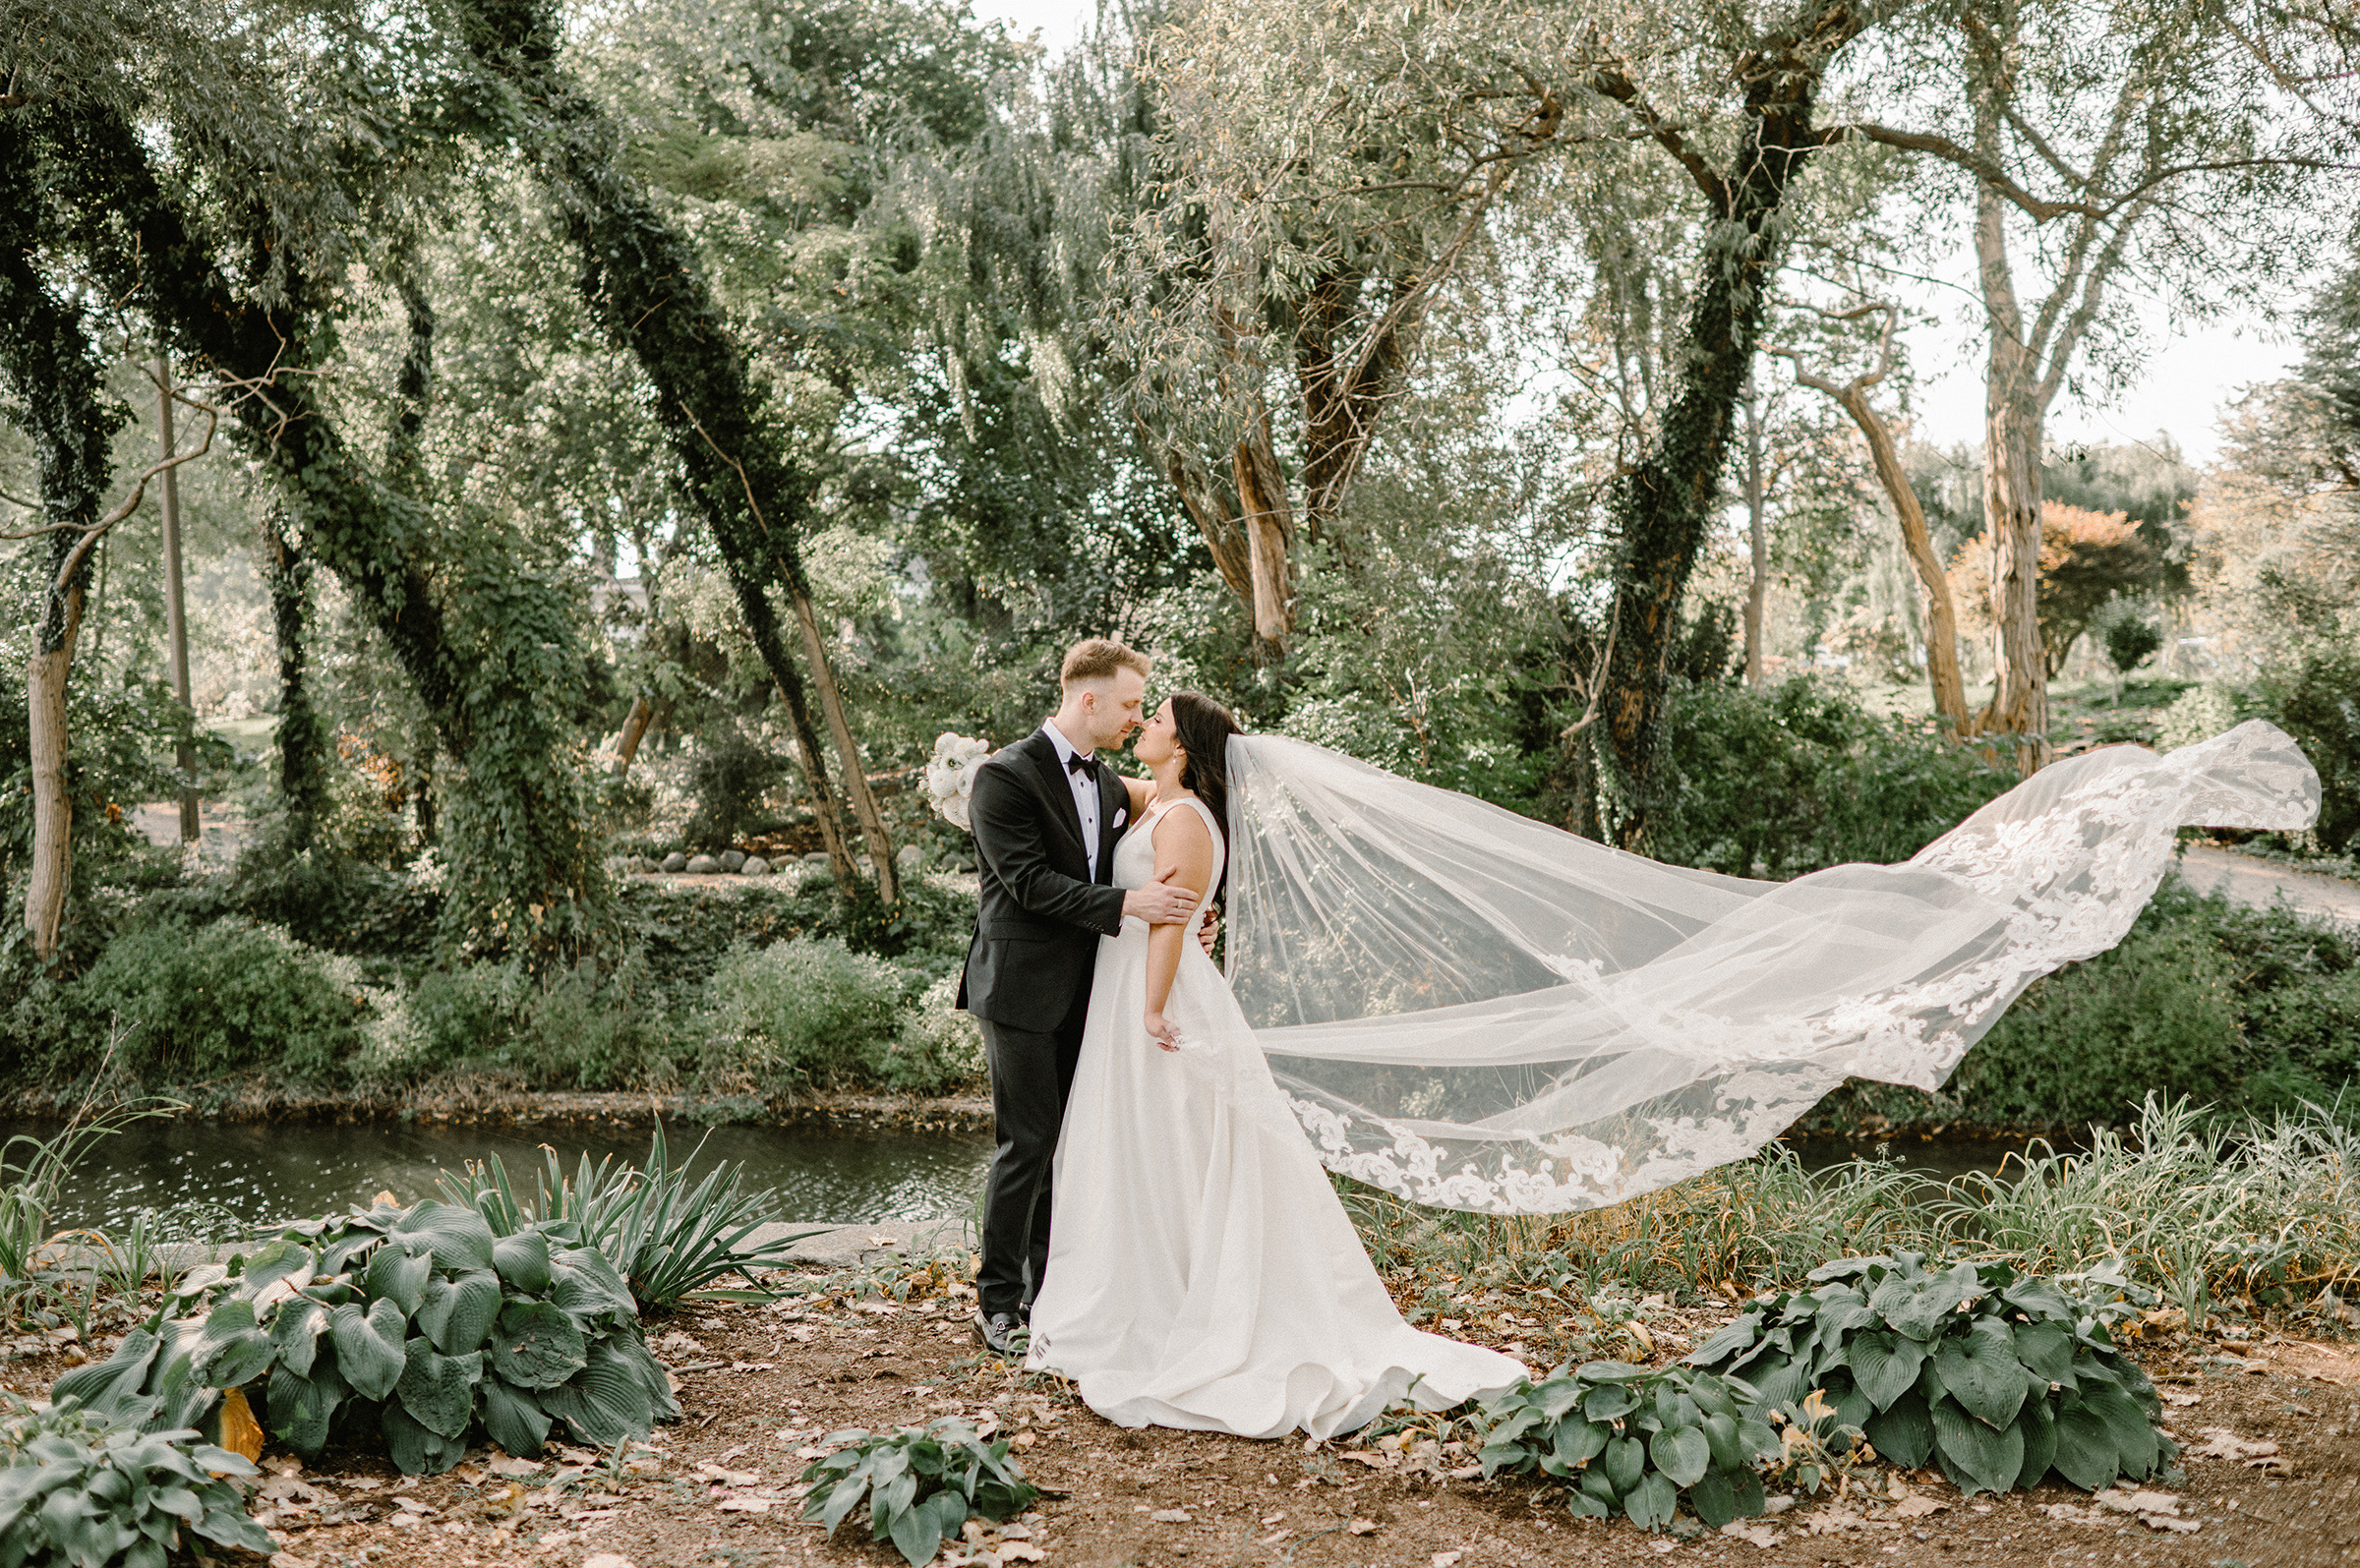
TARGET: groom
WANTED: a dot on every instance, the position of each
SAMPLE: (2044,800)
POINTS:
(1046,817)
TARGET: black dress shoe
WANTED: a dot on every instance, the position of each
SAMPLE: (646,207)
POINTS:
(999,1333)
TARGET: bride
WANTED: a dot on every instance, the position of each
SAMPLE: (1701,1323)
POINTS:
(1202,1271)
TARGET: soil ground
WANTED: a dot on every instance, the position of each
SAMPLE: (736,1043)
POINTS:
(2269,1474)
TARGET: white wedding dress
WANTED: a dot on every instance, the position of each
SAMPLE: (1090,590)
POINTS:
(1201,1272)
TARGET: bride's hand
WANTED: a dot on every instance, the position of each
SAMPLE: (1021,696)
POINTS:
(1162,1033)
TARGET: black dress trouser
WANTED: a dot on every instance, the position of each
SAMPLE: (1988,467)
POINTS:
(1031,1073)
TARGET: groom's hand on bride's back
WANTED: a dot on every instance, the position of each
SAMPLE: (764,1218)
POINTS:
(1160,902)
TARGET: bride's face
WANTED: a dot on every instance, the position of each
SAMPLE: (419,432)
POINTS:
(1158,739)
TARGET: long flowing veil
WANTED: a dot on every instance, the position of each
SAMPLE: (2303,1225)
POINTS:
(1476,1011)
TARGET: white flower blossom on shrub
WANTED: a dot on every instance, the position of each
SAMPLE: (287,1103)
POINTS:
(950,774)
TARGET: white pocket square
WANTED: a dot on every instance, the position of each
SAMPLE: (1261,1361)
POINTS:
(1120,813)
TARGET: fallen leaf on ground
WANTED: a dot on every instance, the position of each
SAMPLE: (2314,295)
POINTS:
(1363,1526)
(2222,1443)
(1757,1535)
(1444,1559)
(1830,1521)
(2179,1397)
(729,1478)
(507,1465)
(1918,1507)
(745,1505)
(1172,1516)
(1363,1456)
(606,1559)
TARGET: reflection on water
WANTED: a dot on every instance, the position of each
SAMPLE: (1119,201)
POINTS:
(263,1172)
(249,1173)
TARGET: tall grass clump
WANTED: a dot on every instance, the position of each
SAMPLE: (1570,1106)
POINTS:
(667,1239)
(1761,1220)
(2261,1212)
(2206,1210)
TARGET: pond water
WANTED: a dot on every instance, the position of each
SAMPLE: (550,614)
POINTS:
(233,1175)
(253,1173)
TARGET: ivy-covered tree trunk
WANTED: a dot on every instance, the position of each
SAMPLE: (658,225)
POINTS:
(1664,507)
(302,738)
(647,284)
(60,385)
(482,640)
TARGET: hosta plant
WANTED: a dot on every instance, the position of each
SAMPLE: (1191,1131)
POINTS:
(418,1321)
(1996,1379)
(78,1491)
(1631,1440)
(921,1483)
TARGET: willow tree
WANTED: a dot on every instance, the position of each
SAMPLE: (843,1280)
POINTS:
(1318,177)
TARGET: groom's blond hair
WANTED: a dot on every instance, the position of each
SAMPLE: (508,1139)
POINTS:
(1096,658)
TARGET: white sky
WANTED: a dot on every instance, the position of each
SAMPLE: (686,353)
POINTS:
(2181,391)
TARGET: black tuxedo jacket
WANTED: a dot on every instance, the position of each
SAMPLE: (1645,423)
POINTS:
(1041,913)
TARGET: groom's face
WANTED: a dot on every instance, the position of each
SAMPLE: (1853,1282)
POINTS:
(1114,707)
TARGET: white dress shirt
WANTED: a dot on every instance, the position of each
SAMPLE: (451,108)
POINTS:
(1084,788)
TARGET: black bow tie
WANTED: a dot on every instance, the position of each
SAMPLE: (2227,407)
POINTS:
(1087,767)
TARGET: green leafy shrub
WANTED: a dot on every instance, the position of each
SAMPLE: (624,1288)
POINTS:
(79,1491)
(2202,712)
(1635,1441)
(730,779)
(2233,1005)
(2157,1013)
(2318,702)
(805,1013)
(197,1002)
(1997,1378)
(2127,633)
(920,1483)
(578,1027)
(667,1239)
(418,1320)
(940,1049)
(1786,782)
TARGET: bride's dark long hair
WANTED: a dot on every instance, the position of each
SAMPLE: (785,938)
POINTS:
(1203,728)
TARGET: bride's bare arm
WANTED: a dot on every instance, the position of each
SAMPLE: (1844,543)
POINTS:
(1183,859)
(1142,791)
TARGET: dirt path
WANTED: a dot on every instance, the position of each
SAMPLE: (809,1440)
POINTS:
(2271,1474)
(2251,880)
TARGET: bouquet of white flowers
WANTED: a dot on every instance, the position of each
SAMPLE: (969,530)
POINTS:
(950,774)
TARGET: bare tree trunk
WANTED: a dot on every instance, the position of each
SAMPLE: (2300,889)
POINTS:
(1757,535)
(848,751)
(646,715)
(1268,520)
(2013,417)
(176,622)
(762,624)
(1941,616)
(1208,510)
(45,676)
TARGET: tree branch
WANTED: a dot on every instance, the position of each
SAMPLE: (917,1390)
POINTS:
(1992,174)
(1621,89)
